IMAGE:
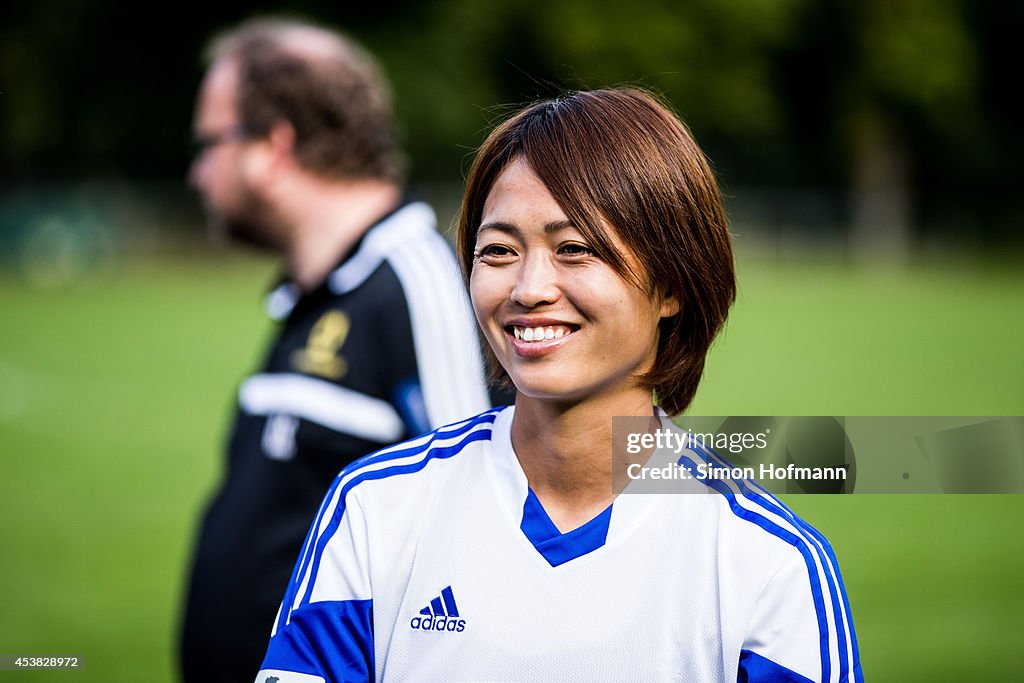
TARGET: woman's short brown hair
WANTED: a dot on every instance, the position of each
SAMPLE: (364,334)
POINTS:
(620,158)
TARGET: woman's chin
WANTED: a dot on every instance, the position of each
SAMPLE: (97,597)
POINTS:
(546,389)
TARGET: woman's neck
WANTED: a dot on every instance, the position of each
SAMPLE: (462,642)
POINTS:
(565,450)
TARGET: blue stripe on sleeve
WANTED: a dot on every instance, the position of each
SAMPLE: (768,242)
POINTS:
(329,639)
(855,670)
(296,577)
(409,448)
(757,669)
(431,453)
(824,552)
(423,443)
(797,542)
(822,548)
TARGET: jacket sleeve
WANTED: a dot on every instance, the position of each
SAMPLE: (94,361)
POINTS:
(448,382)
(801,628)
(324,629)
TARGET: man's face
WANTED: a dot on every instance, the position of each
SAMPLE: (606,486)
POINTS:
(219,170)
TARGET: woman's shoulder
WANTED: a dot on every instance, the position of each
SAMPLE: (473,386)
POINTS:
(415,457)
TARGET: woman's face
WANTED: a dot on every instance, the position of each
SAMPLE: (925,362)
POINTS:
(561,321)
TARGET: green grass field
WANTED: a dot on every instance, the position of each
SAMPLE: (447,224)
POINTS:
(114,398)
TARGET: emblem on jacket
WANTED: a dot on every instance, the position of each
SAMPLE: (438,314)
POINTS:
(320,357)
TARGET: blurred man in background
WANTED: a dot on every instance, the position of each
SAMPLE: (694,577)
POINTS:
(298,152)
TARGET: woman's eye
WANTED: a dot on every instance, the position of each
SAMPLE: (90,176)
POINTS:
(575,249)
(494,251)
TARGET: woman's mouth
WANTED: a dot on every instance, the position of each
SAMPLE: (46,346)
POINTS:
(534,341)
(540,333)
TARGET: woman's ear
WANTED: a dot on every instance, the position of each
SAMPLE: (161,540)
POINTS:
(669,305)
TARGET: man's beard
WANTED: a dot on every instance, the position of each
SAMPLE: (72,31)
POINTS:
(252,223)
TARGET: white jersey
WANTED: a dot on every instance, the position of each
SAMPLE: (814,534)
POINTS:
(433,560)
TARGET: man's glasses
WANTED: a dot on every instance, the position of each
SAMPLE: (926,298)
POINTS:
(203,143)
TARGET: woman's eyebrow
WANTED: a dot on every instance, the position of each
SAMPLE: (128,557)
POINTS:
(500,227)
(549,228)
(556,226)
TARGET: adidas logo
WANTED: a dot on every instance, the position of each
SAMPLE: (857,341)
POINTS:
(442,614)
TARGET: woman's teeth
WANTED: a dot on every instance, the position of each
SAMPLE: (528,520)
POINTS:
(540,333)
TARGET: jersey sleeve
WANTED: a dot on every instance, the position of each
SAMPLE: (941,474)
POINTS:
(324,629)
(801,630)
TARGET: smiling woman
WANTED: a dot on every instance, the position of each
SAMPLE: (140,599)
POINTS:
(623,174)
(550,307)
(596,250)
